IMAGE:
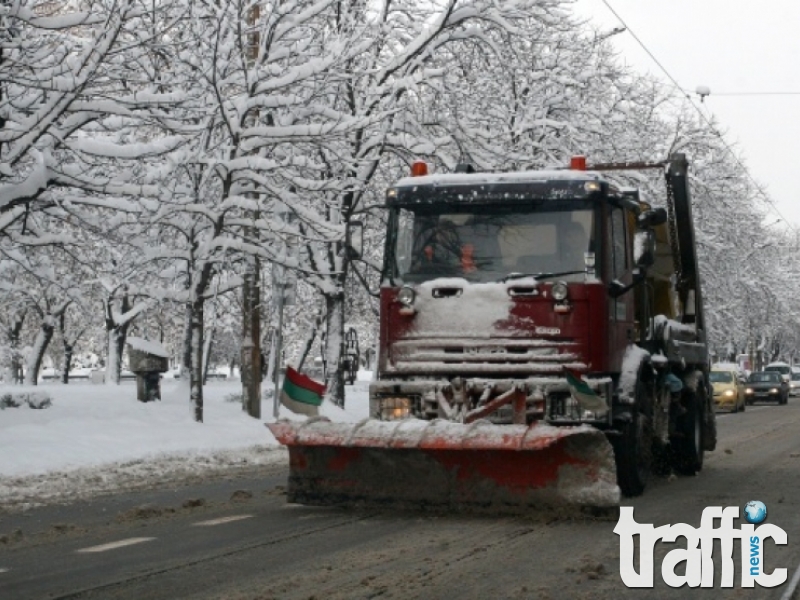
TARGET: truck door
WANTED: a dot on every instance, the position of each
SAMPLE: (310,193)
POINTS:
(621,309)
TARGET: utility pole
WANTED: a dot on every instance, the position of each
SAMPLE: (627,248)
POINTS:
(283,288)
(277,347)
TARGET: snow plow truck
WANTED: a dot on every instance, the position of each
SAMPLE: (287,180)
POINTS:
(542,343)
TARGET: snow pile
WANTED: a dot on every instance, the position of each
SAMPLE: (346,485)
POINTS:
(97,439)
(25,396)
(147,346)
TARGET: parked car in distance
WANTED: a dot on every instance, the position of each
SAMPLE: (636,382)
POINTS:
(766,385)
(728,387)
(794,384)
(781,367)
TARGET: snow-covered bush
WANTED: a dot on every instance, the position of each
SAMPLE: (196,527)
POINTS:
(36,400)
(233,398)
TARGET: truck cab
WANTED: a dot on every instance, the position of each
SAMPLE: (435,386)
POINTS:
(492,280)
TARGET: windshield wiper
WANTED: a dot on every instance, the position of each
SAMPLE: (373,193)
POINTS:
(537,276)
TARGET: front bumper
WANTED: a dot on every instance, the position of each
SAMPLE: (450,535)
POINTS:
(721,400)
(724,403)
(547,399)
(763,396)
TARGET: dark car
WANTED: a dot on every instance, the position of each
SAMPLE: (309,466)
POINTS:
(766,385)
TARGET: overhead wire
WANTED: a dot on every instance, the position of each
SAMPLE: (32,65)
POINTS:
(764,195)
(751,93)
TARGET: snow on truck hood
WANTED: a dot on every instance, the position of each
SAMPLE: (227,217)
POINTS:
(474,310)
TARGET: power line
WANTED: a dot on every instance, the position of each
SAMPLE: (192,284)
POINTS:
(752,93)
(755,183)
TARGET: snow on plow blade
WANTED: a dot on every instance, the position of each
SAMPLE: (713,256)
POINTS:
(440,464)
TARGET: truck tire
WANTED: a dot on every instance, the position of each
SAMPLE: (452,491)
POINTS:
(687,445)
(633,446)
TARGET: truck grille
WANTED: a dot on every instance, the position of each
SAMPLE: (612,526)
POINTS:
(484,356)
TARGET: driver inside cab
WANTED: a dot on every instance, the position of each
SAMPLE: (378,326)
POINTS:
(445,249)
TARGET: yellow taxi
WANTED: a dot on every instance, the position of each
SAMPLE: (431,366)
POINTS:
(728,388)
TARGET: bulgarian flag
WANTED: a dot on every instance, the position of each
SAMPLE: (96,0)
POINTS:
(301,394)
(587,398)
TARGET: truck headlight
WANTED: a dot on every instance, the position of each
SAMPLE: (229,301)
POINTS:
(560,291)
(395,408)
(729,393)
(748,391)
(406,296)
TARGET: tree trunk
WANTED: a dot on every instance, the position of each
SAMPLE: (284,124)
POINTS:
(251,341)
(12,370)
(186,360)
(117,333)
(308,343)
(209,342)
(122,335)
(113,362)
(39,348)
(334,340)
(67,362)
(196,371)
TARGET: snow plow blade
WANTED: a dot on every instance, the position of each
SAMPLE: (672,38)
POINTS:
(416,464)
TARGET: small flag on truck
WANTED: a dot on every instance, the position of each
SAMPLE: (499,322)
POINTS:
(300,393)
(587,398)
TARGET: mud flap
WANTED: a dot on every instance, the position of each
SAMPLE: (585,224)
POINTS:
(417,464)
(710,424)
(688,445)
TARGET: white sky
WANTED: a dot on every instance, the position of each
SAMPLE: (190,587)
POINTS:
(730,46)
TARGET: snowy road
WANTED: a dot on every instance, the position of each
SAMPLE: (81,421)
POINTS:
(236,546)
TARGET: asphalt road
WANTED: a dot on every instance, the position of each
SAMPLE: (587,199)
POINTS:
(238,539)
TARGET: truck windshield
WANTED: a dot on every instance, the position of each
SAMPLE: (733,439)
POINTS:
(483,244)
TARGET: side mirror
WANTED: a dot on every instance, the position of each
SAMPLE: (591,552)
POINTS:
(651,218)
(644,248)
(354,239)
(616,288)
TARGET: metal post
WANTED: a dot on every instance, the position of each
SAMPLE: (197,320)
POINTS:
(280,289)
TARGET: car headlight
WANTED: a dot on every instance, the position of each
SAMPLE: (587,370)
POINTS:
(773,391)
(406,296)
(560,291)
(729,393)
(748,391)
(393,409)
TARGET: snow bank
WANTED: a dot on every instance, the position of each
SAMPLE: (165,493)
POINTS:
(97,438)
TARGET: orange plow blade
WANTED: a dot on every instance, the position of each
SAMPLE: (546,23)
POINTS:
(440,464)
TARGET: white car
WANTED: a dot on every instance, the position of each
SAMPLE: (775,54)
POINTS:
(794,382)
(783,368)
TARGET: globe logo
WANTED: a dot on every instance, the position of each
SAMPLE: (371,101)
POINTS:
(755,512)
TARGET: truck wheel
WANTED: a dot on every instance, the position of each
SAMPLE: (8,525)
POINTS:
(633,448)
(687,445)
(632,456)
